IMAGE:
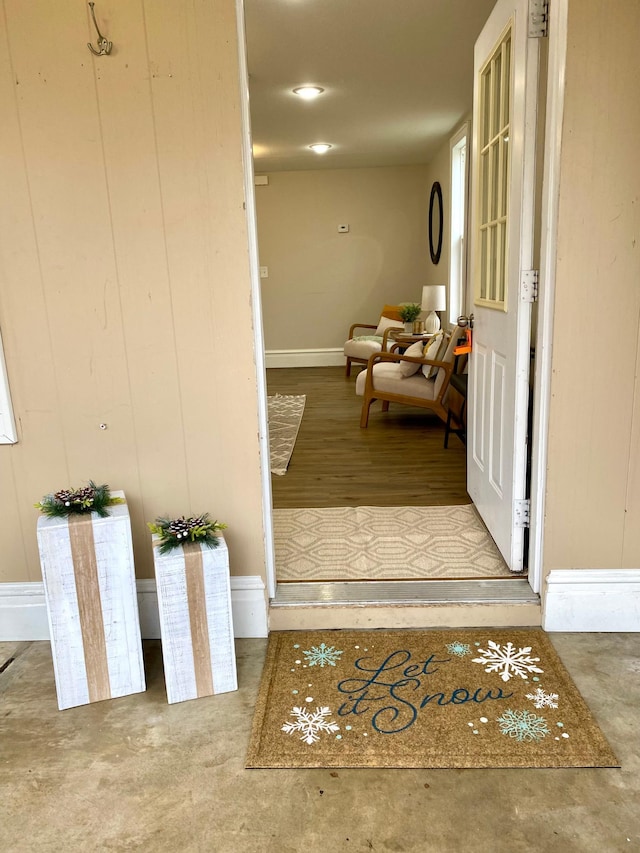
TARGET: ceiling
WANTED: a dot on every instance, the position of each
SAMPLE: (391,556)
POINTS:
(397,76)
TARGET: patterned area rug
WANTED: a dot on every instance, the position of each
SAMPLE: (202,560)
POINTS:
(285,415)
(384,543)
(459,698)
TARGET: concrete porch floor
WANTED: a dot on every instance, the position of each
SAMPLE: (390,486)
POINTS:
(138,774)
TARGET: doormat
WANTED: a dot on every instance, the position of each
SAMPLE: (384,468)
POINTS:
(455,698)
(350,543)
(284,412)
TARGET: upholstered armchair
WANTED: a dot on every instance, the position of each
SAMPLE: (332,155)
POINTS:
(419,377)
(359,347)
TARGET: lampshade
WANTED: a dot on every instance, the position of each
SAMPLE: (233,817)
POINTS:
(434,297)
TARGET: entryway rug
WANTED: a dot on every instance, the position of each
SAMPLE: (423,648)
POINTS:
(284,412)
(433,698)
(384,543)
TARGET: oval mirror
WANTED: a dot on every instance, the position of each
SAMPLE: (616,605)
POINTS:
(435,223)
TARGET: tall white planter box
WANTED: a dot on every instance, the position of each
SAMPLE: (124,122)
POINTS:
(92,605)
(194,603)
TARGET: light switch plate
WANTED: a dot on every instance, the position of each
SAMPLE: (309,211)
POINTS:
(343,229)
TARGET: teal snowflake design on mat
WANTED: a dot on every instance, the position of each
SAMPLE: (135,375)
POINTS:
(322,655)
(523,725)
(459,649)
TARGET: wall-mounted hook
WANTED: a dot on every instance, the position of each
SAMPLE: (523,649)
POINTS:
(104,45)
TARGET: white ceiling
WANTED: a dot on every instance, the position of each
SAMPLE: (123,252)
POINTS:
(397,75)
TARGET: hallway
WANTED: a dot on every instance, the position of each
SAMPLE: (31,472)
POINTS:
(399,464)
(399,460)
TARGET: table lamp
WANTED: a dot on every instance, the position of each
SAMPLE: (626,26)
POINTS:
(434,298)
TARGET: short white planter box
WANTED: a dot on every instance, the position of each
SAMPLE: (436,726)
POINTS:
(92,605)
(194,603)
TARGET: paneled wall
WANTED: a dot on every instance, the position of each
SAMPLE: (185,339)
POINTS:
(124,278)
(593,503)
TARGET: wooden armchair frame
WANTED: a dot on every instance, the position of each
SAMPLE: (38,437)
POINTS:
(371,395)
(385,338)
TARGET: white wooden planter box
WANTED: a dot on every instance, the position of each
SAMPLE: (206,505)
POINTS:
(92,605)
(194,603)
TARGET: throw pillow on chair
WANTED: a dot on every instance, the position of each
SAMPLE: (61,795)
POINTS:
(408,368)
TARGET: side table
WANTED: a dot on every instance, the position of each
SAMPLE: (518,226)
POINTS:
(404,339)
(459,382)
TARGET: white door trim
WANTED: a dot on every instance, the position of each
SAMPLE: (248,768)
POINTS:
(558,11)
(256,302)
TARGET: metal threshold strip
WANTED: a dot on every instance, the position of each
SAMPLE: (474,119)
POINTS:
(390,593)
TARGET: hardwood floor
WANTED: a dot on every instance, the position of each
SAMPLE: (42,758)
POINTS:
(399,460)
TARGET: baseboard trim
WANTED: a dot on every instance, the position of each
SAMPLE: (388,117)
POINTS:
(23,611)
(584,600)
(331,357)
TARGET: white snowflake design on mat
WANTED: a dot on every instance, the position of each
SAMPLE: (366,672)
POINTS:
(543,700)
(523,725)
(310,724)
(322,655)
(508,661)
(458,649)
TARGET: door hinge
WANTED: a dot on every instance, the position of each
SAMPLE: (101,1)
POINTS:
(538,19)
(522,510)
(529,285)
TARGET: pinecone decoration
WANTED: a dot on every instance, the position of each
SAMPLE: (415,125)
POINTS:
(89,498)
(177,531)
(83,498)
(180,527)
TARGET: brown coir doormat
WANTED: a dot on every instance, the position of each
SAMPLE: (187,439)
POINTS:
(456,698)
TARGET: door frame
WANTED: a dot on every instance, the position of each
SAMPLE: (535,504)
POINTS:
(556,71)
(256,301)
(558,15)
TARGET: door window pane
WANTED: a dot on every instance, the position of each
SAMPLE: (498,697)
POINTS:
(504,171)
(493,186)
(486,99)
(483,263)
(506,80)
(496,94)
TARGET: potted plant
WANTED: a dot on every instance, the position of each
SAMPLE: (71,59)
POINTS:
(409,311)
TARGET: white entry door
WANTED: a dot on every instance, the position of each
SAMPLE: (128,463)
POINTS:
(502,220)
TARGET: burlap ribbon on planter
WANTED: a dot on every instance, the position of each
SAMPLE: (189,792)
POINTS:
(85,570)
(196,599)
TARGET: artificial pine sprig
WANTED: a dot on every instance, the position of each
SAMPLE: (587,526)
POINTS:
(89,498)
(178,531)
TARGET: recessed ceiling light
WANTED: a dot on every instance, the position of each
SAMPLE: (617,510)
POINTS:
(320,147)
(308,92)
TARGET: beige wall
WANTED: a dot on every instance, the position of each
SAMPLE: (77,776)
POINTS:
(593,501)
(439,169)
(321,281)
(335,279)
(124,280)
